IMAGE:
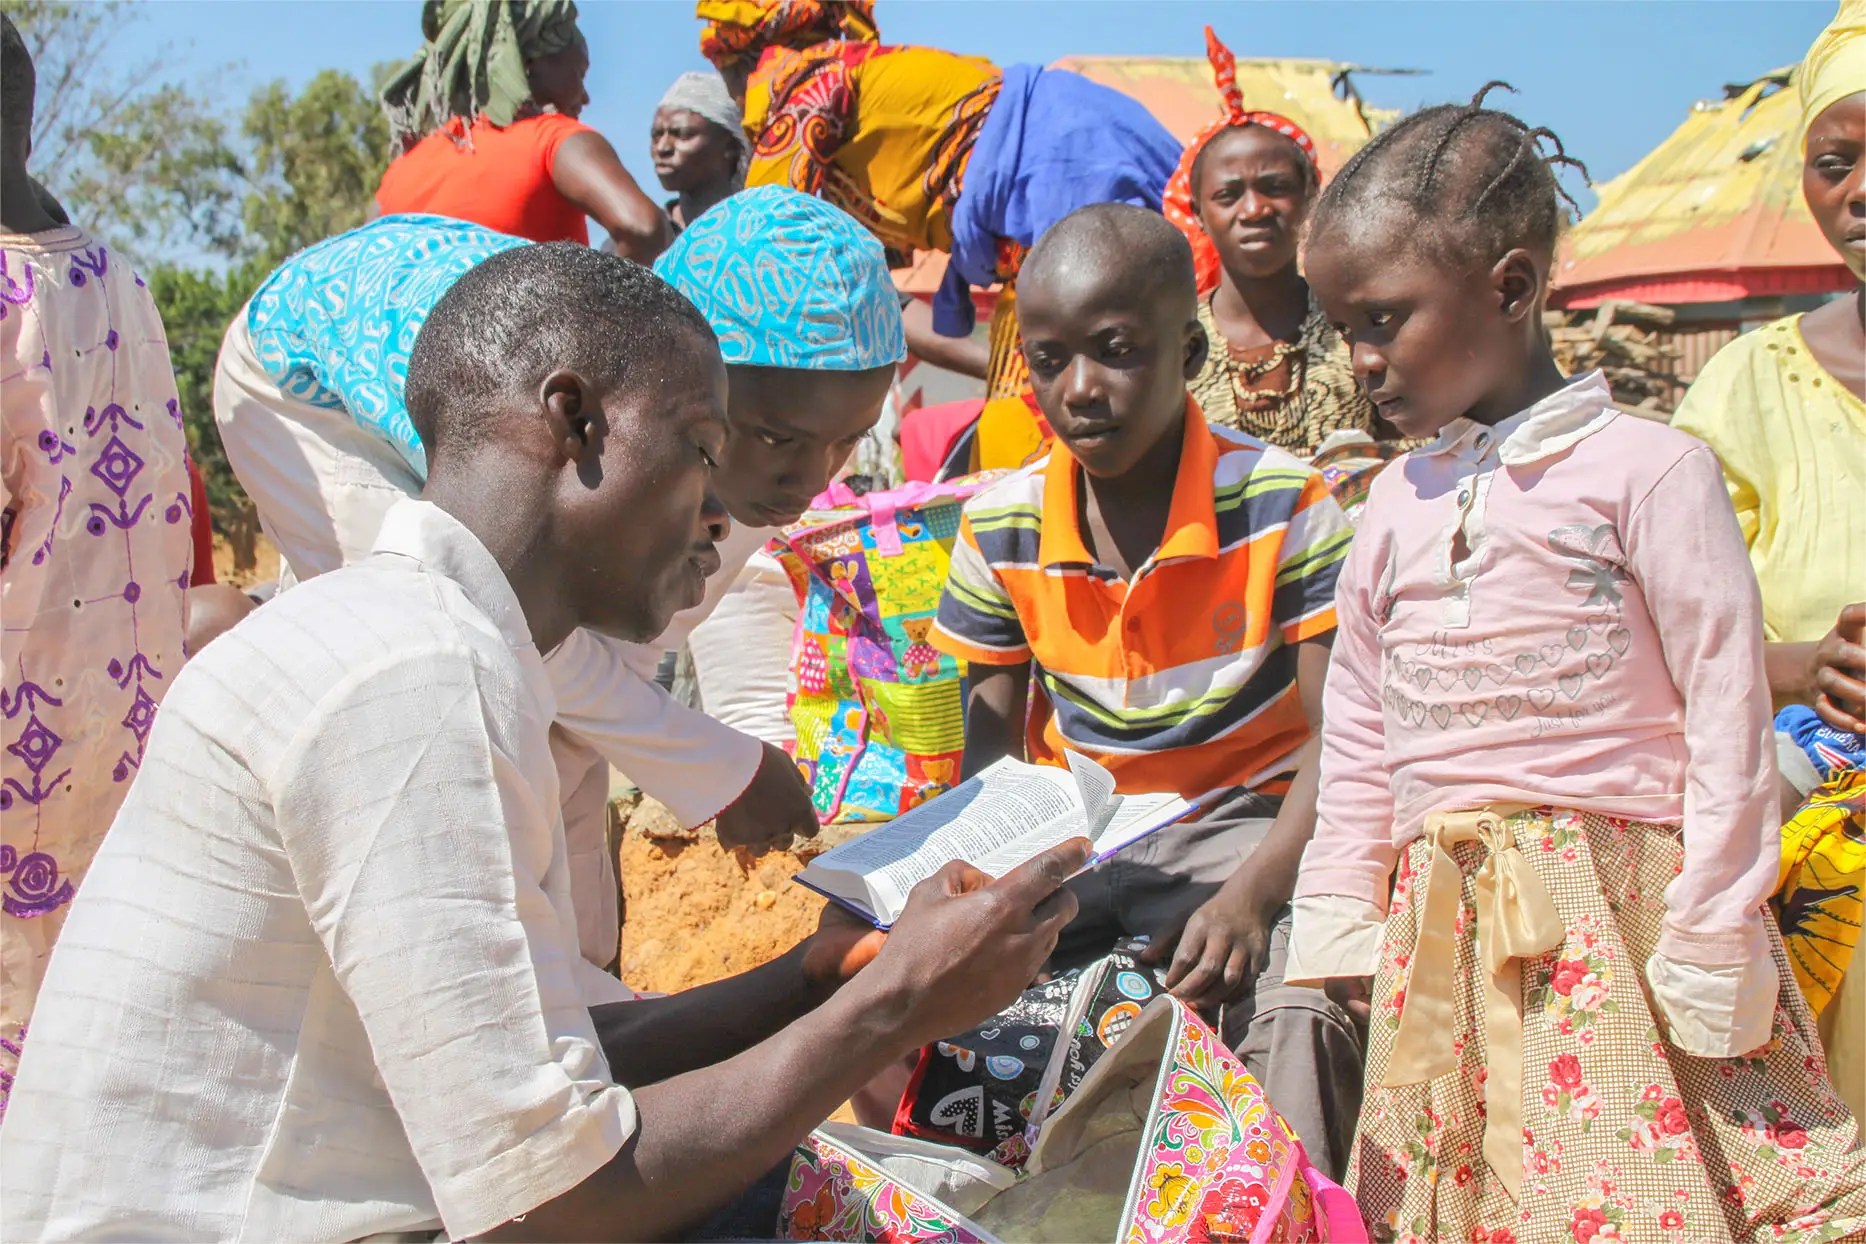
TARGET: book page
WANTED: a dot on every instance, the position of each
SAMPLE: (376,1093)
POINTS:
(1033,841)
(1138,816)
(1129,818)
(1095,787)
(975,822)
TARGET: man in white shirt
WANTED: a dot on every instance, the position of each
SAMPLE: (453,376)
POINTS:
(319,982)
(308,397)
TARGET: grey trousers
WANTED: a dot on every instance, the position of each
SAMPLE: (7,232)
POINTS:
(1306,1051)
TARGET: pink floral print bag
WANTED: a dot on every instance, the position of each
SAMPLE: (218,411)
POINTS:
(1168,1139)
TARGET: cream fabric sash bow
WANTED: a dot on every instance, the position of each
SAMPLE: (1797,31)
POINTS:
(1515,919)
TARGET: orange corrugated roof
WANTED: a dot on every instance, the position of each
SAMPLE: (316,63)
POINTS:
(1178,91)
(1722,195)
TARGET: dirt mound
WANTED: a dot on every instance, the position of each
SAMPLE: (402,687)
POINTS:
(695,912)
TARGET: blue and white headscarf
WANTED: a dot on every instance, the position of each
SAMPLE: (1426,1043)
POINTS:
(786,280)
(334,326)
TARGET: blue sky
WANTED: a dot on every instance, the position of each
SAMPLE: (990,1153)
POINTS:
(1612,78)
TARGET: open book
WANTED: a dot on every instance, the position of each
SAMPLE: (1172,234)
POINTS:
(997,820)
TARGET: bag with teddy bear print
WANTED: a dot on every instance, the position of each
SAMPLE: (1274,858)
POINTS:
(879,713)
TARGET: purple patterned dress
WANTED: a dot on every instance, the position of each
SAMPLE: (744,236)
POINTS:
(94,562)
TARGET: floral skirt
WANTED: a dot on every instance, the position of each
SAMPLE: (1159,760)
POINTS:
(1623,1136)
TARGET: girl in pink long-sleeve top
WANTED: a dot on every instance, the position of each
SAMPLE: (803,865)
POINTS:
(1547,712)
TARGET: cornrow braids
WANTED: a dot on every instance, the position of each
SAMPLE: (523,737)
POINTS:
(1476,178)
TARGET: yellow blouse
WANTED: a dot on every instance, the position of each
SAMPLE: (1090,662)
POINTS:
(1793,444)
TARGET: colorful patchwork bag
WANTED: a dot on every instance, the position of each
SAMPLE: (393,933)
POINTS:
(878,712)
(1168,1139)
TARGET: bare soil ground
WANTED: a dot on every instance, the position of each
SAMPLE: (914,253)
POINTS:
(694,912)
(266,570)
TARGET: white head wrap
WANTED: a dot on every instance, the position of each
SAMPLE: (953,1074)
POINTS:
(705,94)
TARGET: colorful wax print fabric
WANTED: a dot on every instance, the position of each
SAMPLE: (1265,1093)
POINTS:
(786,280)
(334,326)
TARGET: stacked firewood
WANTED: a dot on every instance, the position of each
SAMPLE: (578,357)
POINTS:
(1622,339)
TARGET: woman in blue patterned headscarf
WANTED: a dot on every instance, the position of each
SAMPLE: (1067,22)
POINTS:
(809,325)
(308,397)
(809,322)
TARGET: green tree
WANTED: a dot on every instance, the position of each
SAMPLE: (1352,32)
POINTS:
(197,305)
(316,160)
(152,167)
(146,161)
(311,169)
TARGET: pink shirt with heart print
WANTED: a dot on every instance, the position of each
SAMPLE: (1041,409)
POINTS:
(1596,646)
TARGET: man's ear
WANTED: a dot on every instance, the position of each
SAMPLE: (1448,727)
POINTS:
(571,412)
(1198,349)
(1518,283)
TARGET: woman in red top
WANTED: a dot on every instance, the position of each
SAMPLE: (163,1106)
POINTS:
(485,118)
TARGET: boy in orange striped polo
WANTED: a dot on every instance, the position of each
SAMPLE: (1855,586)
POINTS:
(1158,594)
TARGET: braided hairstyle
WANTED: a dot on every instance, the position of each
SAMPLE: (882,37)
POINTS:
(1475,179)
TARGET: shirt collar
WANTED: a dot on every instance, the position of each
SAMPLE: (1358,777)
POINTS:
(426,533)
(1191,522)
(1571,414)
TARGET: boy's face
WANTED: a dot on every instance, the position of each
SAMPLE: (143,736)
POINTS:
(792,431)
(1429,341)
(1110,352)
(642,517)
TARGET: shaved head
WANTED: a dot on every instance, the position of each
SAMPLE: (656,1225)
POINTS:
(1107,305)
(1119,244)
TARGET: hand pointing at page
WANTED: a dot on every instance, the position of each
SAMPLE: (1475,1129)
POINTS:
(966,945)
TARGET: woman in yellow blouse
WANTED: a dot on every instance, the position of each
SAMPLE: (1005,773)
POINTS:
(1785,409)
(1785,406)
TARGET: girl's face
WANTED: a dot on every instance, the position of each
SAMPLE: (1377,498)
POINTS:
(1253,195)
(1430,343)
(690,152)
(1833,178)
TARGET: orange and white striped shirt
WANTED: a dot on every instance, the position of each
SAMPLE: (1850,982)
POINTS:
(1185,678)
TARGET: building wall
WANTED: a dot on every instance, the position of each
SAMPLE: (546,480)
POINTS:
(1695,345)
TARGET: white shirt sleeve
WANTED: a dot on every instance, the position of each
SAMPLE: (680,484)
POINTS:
(435,878)
(695,765)
(1333,935)
(1715,1012)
